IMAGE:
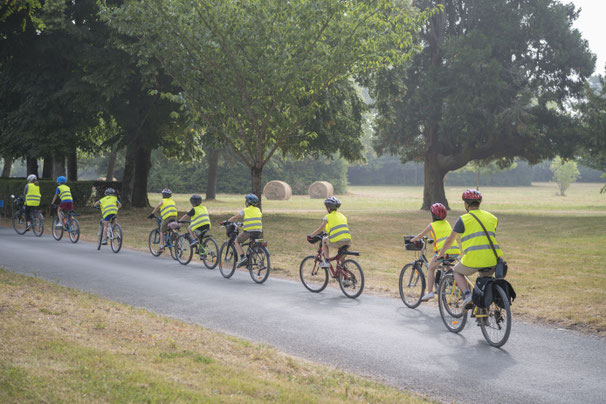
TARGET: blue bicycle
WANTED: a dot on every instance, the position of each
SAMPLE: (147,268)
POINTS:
(171,238)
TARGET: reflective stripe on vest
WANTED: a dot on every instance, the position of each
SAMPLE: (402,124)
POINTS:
(440,230)
(336,227)
(200,218)
(252,219)
(65,194)
(476,248)
(168,208)
(33,195)
(109,206)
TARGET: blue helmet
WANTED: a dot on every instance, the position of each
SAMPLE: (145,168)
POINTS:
(61,180)
(252,199)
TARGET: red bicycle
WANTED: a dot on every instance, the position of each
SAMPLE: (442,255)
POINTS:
(347,271)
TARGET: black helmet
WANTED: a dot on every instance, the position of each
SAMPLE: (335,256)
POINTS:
(195,200)
(332,203)
(110,191)
(167,193)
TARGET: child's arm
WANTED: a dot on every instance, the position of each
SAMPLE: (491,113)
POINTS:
(235,217)
(156,208)
(319,229)
(96,204)
(421,235)
(54,197)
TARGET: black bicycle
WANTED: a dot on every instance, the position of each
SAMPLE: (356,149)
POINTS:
(258,264)
(20,221)
(170,240)
(207,248)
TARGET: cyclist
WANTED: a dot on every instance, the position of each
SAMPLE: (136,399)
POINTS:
(335,225)
(32,198)
(109,209)
(168,213)
(200,221)
(439,229)
(65,197)
(477,252)
(252,225)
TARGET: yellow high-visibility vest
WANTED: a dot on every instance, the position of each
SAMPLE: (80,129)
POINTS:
(168,208)
(476,248)
(440,230)
(200,218)
(337,228)
(33,195)
(65,193)
(252,219)
(109,205)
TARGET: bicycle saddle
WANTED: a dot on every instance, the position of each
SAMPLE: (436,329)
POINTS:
(345,251)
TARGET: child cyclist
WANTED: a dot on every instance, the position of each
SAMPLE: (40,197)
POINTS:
(336,228)
(200,221)
(109,209)
(252,224)
(65,197)
(168,214)
(32,198)
(439,229)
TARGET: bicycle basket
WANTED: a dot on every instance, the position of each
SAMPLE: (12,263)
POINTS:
(230,229)
(19,202)
(410,246)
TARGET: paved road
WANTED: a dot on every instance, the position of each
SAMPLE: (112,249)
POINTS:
(372,335)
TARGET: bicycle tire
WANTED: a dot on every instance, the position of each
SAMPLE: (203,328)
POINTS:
(185,252)
(357,280)
(228,257)
(308,274)
(116,241)
(453,316)
(154,239)
(412,285)
(57,231)
(19,222)
(211,258)
(259,264)
(74,230)
(100,235)
(495,319)
(38,225)
(173,237)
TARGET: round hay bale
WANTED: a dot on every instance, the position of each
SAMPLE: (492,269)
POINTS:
(277,190)
(321,190)
(105,179)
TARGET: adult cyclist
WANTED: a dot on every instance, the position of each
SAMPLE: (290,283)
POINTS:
(64,194)
(477,252)
(32,198)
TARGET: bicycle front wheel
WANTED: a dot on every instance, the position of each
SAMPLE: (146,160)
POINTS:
(116,240)
(19,222)
(450,301)
(74,230)
(412,285)
(210,256)
(228,258)
(259,264)
(57,229)
(496,326)
(174,252)
(184,250)
(313,276)
(153,242)
(38,225)
(351,279)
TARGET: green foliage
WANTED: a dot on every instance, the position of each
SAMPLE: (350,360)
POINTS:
(564,173)
(593,131)
(82,191)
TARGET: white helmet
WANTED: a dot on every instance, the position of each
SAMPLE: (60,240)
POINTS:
(31,178)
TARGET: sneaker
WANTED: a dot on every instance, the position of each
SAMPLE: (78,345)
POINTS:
(428,296)
(243,261)
(324,264)
(104,242)
(467,303)
(58,225)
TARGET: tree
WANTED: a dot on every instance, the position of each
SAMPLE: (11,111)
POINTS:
(564,173)
(262,66)
(491,83)
(480,168)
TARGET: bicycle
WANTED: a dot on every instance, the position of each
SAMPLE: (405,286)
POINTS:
(170,240)
(412,282)
(20,221)
(348,272)
(70,225)
(257,254)
(207,248)
(114,234)
(495,320)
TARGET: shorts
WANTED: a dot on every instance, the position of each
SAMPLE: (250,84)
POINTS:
(337,244)
(455,256)
(201,230)
(464,270)
(109,217)
(165,222)
(66,206)
(245,235)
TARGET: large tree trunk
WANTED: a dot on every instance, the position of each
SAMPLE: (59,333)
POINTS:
(32,166)
(142,167)
(256,174)
(111,164)
(128,180)
(72,165)
(59,165)
(213,165)
(47,168)
(8,165)
(433,189)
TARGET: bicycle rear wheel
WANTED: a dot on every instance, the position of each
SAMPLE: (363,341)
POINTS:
(412,285)
(450,301)
(19,222)
(497,325)
(351,279)
(228,258)
(210,256)
(116,241)
(259,264)
(153,242)
(174,252)
(184,250)
(74,230)
(100,235)
(313,277)
(57,229)
(38,224)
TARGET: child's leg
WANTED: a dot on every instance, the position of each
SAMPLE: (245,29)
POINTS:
(105,223)
(59,215)
(431,274)
(325,248)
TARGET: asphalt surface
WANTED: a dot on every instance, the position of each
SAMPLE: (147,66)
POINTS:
(373,336)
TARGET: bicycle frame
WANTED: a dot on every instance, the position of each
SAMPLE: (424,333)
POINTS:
(476,310)
(334,272)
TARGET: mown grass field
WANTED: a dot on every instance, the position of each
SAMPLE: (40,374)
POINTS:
(553,244)
(62,345)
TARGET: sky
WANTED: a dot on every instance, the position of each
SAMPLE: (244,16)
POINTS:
(592,25)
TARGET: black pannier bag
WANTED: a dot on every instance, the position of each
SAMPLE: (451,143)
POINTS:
(482,294)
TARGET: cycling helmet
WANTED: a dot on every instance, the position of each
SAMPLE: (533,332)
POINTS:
(61,180)
(31,178)
(332,203)
(110,191)
(167,193)
(438,210)
(195,200)
(472,195)
(252,199)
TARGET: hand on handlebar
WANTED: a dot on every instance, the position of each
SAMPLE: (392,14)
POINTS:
(151,216)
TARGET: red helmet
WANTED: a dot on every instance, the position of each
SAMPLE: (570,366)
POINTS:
(438,210)
(472,195)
